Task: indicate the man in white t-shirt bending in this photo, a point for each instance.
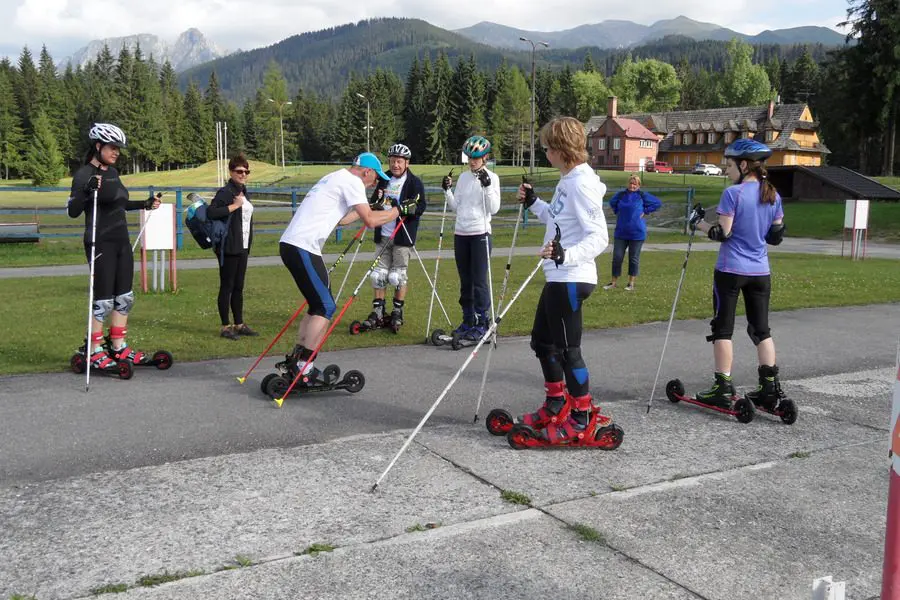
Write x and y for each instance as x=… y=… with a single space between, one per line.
x=322 y=209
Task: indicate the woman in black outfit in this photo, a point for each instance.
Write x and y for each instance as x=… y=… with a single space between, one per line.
x=231 y=203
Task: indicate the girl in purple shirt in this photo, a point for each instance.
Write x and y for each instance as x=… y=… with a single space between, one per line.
x=750 y=217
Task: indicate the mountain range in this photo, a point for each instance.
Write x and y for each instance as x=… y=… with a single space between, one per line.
x=190 y=48
x=625 y=34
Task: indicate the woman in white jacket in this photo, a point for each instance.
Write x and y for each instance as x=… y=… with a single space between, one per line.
x=476 y=198
x=576 y=234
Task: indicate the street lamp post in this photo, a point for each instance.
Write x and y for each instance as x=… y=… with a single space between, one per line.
x=281 y=106
x=368 y=128
x=533 y=48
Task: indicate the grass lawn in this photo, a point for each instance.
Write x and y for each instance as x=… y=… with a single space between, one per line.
x=186 y=323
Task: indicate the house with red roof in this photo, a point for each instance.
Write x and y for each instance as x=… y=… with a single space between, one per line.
x=616 y=142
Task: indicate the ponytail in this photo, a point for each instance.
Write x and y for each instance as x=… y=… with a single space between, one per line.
x=767 y=191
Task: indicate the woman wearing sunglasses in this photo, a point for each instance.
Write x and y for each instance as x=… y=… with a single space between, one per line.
x=231 y=203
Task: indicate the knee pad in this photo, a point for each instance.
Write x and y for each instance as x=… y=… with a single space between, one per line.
x=542 y=350
x=757 y=336
x=379 y=277
x=397 y=277
x=102 y=308
x=124 y=302
x=573 y=361
x=718 y=332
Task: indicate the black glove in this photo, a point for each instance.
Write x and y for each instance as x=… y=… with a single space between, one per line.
x=697 y=215
x=376 y=202
x=484 y=178
x=408 y=208
x=530 y=197
x=446 y=182
x=557 y=252
x=148 y=203
x=92 y=184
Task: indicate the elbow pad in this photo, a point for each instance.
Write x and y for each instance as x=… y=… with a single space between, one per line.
x=775 y=234
x=717 y=235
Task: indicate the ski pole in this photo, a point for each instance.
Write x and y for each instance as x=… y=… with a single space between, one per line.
x=424 y=270
x=472 y=355
x=299 y=310
x=337 y=319
x=352 y=261
x=141 y=232
x=487 y=362
x=693 y=215
x=87 y=340
x=437 y=262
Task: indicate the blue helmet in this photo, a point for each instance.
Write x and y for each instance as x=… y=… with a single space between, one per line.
x=476 y=146
x=747 y=149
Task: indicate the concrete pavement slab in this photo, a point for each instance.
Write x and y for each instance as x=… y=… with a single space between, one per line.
x=63 y=538
x=526 y=555
x=756 y=532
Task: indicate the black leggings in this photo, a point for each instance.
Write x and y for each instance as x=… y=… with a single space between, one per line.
x=472 y=266
x=556 y=334
x=756 y=290
x=113 y=269
x=232 y=271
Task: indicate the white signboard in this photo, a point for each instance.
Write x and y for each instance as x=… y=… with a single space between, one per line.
x=856 y=214
x=160 y=227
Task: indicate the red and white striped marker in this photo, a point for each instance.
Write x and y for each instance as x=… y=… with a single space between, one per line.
x=890 y=579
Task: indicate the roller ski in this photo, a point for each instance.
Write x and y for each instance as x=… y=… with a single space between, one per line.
x=376 y=320
x=578 y=423
x=100 y=362
x=274 y=385
x=161 y=359
x=721 y=397
x=768 y=396
x=555 y=410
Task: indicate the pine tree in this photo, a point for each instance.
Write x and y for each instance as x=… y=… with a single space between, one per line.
x=197 y=144
x=441 y=112
x=173 y=138
x=467 y=99
x=28 y=90
x=250 y=128
x=12 y=138
x=149 y=124
x=44 y=162
x=589 y=66
x=566 y=101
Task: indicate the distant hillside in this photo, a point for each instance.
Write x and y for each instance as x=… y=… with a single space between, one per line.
x=322 y=61
x=624 y=34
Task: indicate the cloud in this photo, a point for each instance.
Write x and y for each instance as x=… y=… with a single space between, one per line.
x=65 y=24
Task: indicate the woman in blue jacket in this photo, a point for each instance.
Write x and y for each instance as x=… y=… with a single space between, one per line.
x=630 y=206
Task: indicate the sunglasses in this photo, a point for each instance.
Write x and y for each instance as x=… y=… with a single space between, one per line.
x=242 y=171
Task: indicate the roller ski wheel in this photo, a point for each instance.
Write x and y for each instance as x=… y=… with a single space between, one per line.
x=456 y=341
x=77 y=363
x=739 y=408
x=499 y=422
x=162 y=360
x=353 y=382
x=355 y=328
x=786 y=411
x=264 y=384
x=331 y=374
x=395 y=328
x=276 y=386
x=439 y=337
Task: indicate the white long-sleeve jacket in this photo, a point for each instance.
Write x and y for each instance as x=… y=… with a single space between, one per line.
x=469 y=204
x=577 y=207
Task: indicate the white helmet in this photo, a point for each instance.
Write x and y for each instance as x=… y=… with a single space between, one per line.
x=107 y=133
x=400 y=150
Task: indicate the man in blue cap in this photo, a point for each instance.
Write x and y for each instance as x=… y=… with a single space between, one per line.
x=333 y=197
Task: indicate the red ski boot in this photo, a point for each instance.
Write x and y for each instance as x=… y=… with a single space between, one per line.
x=555 y=410
x=585 y=427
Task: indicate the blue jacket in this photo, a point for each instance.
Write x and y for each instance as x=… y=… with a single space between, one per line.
x=628 y=208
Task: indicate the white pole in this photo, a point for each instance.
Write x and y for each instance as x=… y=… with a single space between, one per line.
x=281 y=126
x=87 y=341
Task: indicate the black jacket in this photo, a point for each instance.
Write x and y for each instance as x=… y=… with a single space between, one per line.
x=412 y=189
x=218 y=209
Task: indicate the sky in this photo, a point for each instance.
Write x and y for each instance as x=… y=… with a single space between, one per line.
x=66 y=25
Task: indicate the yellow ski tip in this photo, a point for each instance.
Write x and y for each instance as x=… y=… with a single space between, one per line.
x=278 y=401
x=241 y=380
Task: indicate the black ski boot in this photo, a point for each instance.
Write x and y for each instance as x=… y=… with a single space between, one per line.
x=397 y=316
x=768 y=394
x=721 y=393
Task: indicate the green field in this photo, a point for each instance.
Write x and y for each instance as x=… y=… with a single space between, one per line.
x=186 y=322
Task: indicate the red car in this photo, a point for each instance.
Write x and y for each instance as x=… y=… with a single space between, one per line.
x=659 y=166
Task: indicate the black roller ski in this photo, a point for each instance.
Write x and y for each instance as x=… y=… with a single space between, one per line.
x=161 y=359
x=739 y=408
x=370 y=324
x=275 y=385
x=79 y=362
x=769 y=398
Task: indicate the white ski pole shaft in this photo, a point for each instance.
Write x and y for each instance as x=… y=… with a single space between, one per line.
x=141 y=232
x=671 y=318
x=88 y=350
x=427 y=276
x=437 y=262
x=349 y=267
x=487 y=362
x=472 y=355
